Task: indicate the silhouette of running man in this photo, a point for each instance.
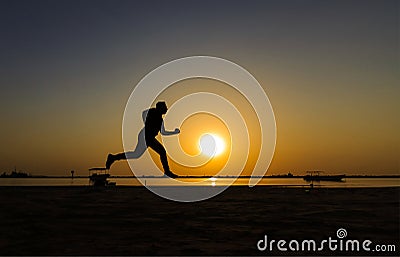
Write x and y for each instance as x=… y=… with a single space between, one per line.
x=154 y=124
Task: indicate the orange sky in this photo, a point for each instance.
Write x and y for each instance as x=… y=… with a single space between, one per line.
x=330 y=70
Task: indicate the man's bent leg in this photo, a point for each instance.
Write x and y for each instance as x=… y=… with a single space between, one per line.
x=159 y=148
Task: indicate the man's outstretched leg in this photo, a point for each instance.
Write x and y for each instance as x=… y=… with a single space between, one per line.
x=139 y=151
x=111 y=158
x=159 y=148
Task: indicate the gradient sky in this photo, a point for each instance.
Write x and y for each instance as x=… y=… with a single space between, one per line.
x=329 y=68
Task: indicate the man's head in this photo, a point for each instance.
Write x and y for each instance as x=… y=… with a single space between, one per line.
x=161 y=107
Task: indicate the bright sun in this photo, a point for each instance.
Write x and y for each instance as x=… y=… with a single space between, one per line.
x=211 y=145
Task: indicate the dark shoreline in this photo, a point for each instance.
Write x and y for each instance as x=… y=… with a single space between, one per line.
x=130 y=220
x=273 y=176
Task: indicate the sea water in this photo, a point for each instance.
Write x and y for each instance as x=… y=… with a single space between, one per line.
x=280 y=182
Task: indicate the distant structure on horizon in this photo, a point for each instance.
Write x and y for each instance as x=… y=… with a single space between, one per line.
x=15 y=174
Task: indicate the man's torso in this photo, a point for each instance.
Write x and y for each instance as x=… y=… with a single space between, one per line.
x=153 y=123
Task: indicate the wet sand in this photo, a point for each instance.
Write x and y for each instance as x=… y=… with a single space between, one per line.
x=134 y=221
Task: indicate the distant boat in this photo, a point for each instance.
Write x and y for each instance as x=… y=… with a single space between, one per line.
x=100 y=178
x=315 y=176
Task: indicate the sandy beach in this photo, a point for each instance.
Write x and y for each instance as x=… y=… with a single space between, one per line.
x=134 y=221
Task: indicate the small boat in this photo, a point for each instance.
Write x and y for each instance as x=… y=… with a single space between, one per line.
x=315 y=176
x=98 y=177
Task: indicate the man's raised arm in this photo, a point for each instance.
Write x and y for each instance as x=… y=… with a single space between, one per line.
x=169 y=133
